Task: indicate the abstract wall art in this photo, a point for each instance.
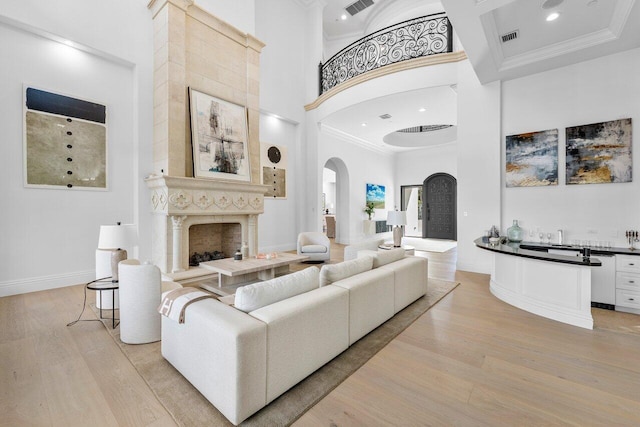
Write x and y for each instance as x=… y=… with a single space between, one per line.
x=599 y=152
x=532 y=159
x=274 y=169
x=376 y=194
x=65 y=142
x=219 y=138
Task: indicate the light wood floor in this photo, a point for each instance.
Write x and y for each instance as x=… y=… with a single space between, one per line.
x=471 y=360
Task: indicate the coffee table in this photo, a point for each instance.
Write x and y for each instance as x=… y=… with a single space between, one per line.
x=238 y=273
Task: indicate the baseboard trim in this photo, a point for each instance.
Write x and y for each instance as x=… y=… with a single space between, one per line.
x=473 y=268
x=42 y=283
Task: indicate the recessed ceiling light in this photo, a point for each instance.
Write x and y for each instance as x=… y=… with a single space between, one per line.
x=422 y=110
x=364 y=124
x=343 y=17
x=552 y=16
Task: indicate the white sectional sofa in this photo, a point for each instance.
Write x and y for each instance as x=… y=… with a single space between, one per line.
x=241 y=358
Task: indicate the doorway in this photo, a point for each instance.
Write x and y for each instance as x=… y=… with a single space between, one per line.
x=336 y=198
x=439 y=219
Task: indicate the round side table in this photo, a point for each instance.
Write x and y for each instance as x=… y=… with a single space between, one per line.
x=106 y=285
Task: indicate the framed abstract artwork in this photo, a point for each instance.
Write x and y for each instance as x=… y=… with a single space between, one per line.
x=599 y=152
x=274 y=169
x=532 y=159
x=219 y=138
x=65 y=142
x=376 y=194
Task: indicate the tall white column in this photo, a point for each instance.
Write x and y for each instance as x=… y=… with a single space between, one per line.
x=177 y=243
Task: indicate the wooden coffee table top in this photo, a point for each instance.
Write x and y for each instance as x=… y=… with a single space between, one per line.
x=231 y=267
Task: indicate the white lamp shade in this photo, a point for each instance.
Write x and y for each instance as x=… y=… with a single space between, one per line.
x=396 y=218
x=116 y=236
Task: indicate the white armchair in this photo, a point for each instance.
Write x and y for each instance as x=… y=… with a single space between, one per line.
x=141 y=288
x=315 y=245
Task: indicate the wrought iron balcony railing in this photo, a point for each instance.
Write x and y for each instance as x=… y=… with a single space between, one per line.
x=428 y=35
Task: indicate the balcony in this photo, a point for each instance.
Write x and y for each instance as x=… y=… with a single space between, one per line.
x=415 y=38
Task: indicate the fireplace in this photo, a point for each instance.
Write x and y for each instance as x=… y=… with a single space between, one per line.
x=208 y=242
x=216 y=215
x=194 y=49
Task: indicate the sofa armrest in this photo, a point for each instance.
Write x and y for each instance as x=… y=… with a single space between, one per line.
x=222 y=352
x=410 y=279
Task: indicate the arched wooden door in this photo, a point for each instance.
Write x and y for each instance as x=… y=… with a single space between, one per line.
x=439 y=208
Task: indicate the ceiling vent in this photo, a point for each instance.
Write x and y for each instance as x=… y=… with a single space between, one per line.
x=550 y=4
x=425 y=128
x=385 y=116
x=358 y=6
x=510 y=36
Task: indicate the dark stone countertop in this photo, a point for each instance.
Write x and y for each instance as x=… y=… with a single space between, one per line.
x=525 y=250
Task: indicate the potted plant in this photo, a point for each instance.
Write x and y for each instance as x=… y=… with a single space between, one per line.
x=369 y=209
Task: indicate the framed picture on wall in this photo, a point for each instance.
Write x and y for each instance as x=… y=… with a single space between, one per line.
x=532 y=159
x=376 y=195
x=65 y=141
x=219 y=138
x=274 y=169
x=599 y=153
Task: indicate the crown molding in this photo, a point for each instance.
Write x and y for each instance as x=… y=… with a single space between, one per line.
x=331 y=131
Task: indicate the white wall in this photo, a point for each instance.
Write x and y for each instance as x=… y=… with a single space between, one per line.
x=239 y=13
x=277 y=227
x=599 y=90
x=413 y=167
x=50 y=235
x=364 y=167
x=478 y=166
x=282 y=76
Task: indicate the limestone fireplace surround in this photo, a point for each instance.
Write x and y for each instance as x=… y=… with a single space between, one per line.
x=194 y=49
x=179 y=203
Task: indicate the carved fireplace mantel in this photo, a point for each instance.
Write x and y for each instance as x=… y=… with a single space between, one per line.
x=178 y=203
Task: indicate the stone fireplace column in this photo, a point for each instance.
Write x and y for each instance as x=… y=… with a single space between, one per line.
x=253 y=235
x=177 y=242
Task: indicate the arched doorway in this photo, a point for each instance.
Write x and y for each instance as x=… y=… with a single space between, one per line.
x=439 y=214
x=338 y=203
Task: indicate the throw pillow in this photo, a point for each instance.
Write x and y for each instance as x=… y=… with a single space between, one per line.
x=384 y=256
x=252 y=297
x=334 y=272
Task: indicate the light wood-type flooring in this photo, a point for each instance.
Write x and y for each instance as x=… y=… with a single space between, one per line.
x=470 y=360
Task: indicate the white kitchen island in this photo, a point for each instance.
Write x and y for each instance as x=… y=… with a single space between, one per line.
x=557 y=287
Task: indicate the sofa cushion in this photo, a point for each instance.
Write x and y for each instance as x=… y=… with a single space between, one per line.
x=334 y=272
x=252 y=297
x=383 y=256
x=315 y=249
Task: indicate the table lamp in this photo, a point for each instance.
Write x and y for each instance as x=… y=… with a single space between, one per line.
x=111 y=243
x=397 y=219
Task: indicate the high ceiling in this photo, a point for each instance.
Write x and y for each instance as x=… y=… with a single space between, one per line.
x=584 y=29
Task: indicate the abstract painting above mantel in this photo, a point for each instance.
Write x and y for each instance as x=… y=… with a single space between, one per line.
x=599 y=152
x=532 y=159
x=219 y=138
x=65 y=142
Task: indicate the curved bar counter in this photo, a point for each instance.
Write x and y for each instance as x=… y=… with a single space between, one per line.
x=557 y=287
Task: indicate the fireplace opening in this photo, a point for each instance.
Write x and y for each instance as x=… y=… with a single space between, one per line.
x=208 y=242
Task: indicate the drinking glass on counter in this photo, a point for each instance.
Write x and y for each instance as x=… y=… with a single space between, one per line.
x=548 y=238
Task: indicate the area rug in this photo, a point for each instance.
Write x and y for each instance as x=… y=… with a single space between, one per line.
x=189 y=408
x=430 y=245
